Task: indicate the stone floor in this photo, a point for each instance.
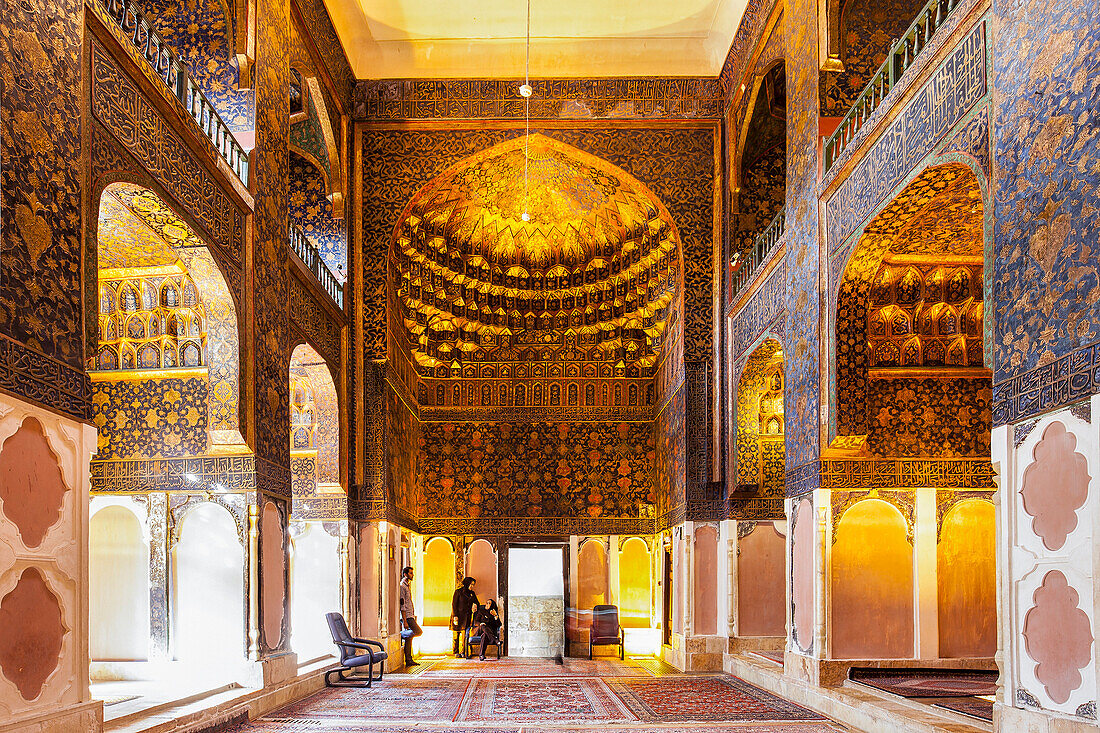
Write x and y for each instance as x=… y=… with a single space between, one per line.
x=532 y=696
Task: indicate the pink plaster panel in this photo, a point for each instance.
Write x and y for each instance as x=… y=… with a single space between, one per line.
x=1058 y=636
x=706 y=580
x=761 y=591
x=31 y=631
x=273 y=559
x=481 y=563
x=802 y=568
x=32 y=489
x=1056 y=485
x=368 y=581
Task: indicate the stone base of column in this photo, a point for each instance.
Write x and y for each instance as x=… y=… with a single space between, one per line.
x=270 y=671
x=86 y=717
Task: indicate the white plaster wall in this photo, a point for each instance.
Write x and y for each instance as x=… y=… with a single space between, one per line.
x=118 y=576
x=314 y=590
x=207 y=590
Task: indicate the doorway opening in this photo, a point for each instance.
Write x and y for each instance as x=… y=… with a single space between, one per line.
x=535 y=610
x=666 y=595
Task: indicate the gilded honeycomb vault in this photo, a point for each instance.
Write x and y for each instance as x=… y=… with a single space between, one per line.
x=573 y=307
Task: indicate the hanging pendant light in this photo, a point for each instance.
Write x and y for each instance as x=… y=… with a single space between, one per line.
x=526 y=91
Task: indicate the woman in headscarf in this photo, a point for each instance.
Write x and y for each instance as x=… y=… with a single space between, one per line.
x=488 y=624
x=462 y=612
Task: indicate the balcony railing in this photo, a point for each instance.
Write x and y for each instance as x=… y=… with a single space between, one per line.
x=311 y=256
x=175 y=76
x=745 y=264
x=900 y=57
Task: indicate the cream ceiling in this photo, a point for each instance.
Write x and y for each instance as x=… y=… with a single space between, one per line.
x=569 y=38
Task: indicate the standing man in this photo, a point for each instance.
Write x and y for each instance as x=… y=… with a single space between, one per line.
x=409 y=628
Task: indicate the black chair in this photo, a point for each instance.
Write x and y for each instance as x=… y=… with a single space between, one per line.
x=473 y=641
x=354 y=652
x=606 y=629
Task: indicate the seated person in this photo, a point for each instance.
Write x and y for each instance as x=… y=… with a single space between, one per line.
x=487 y=620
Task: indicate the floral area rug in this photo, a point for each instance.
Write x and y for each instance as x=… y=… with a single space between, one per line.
x=269 y=726
x=928 y=682
x=513 y=667
x=529 y=700
x=411 y=700
x=714 y=698
x=975 y=707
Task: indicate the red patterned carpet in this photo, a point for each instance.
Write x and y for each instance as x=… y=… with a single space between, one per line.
x=581 y=700
x=975 y=707
x=928 y=682
x=514 y=667
x=554 y=701
x=712 y=698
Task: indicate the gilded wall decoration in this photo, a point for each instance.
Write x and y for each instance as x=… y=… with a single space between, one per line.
x=500 y=469
x=669 y=462
x=914 y=417
x=764 y=310
x=752 y=23
x=137 y=125
x=946 y=499
x=194 y=473
x=397 y=162
x=608 y=98
x=1046 y=142
x=323 y=37
x=867 y=29
x=271 y=168
x=153 y=322
x=200 y=32
x=934 y=110
x=40 y=138
x=704 y=500
x=802 y=360
x=315 y=321
x=150 y=418
x=907 y=473
x=904 y=501
x=1048 y=387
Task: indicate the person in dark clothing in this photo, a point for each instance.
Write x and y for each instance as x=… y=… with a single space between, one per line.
x=462 y=611
x=488 y=625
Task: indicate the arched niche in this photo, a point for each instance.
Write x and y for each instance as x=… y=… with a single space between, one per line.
x=705 y=595
x=761 y=447
x=908 y=260
x=967 y=578
x=635 y=584
x=208 y=589
x=118 y=586
x=591 y=578
x=481 y=564
x=871 y=584
x=761 y=581
x=160 y=286
x=315 y=582
x=313 y=212
x=315 y=417
x=439 y=582
x=761 y=167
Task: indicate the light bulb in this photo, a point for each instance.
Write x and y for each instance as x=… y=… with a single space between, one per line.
x=525 y=90
x=525 y=216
